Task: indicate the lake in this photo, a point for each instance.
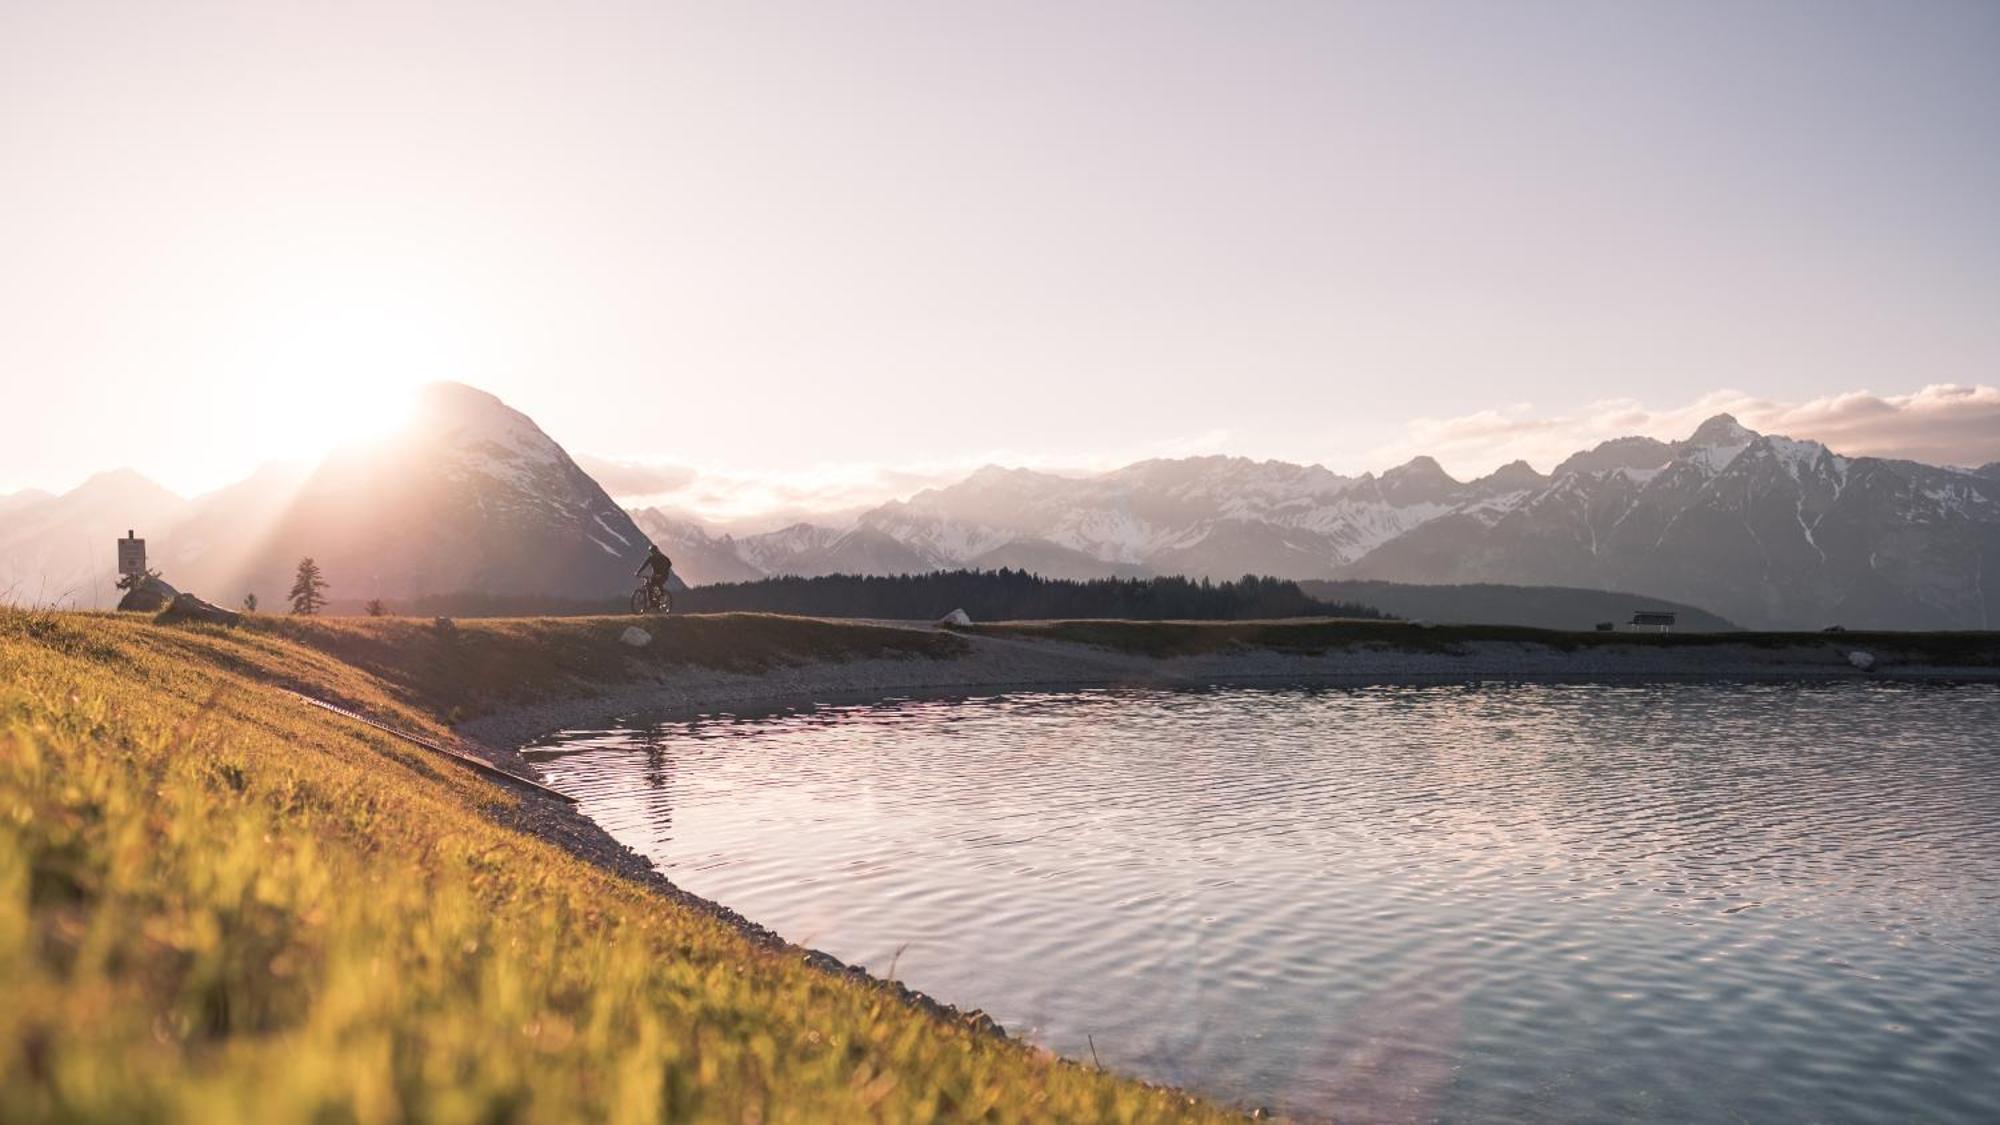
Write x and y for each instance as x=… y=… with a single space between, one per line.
x=1496 y=902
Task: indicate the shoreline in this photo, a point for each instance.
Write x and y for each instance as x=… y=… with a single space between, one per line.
x=1002 y=664
x=996 y=663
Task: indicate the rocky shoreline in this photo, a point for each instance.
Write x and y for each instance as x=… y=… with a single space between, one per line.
x=995 y=663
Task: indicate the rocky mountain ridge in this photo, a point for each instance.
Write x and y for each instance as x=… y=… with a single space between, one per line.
x=474 y=498
x=471 y=497
x=1767 y=530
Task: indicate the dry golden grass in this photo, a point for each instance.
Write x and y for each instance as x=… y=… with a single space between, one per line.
x=219 y=905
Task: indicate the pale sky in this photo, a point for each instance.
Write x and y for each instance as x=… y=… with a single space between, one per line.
x=813 y=242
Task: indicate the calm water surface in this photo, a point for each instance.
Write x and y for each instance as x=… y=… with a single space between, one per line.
x=1527 y=903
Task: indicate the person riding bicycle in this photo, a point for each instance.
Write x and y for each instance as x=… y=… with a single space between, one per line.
x=661 y=567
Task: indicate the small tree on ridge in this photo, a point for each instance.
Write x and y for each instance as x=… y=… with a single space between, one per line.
x=308 y=589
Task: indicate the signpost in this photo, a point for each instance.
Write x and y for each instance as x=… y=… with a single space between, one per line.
x=131 y=555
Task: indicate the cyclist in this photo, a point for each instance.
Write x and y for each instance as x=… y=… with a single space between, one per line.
x=661 y=567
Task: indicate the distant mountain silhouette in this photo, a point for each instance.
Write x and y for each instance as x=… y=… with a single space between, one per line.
x=1764 y=530
x=57 y=550
x=475 y=499
x=471 y=498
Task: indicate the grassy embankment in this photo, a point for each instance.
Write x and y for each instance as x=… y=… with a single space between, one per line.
x=1307 y=636
x=217 y=904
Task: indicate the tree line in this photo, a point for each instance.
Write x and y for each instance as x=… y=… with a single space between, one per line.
x=1016 y=595
x=985 y=595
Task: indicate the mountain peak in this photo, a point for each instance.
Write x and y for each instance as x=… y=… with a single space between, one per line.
x=1511 y=477
x=122 y=484
x=999 y=474
x=1723 y=429
x=448 y=394
x=1420 y=467
x=480 y=426
x=1618 y=453
x=26 y=498
x=1420 y=480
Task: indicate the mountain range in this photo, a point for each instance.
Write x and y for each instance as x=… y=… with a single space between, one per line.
x=470 y=497
x=473 y=497
x=1762 y=529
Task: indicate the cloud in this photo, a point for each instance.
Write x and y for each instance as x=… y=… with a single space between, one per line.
x=632 y=478
x=748 y=501
x=1944 y=424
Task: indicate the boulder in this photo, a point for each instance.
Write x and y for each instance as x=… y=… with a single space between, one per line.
x=635 y=636
x=1862 y=660
x=187 y=607
x=151 y=595
x=956 y=617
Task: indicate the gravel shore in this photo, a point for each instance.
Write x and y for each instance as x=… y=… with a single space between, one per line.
x=995 y=663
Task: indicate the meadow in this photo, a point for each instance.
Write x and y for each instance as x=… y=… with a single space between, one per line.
x=219 y=905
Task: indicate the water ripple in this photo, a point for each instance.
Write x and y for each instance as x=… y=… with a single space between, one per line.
x=1494 y=903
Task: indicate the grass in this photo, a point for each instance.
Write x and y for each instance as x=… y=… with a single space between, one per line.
x=1313 y=636
x=475 y=666
x=218 y=905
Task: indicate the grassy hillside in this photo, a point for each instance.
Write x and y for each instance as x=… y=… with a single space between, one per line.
x=1536 y=607
x=1312 y=636
x=217 y=904
x=474 y=666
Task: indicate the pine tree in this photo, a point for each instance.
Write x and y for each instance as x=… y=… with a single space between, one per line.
x=308 y=589
x=249 y=603
x=134 y=581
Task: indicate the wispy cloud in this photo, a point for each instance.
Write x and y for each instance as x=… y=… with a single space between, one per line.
x=748 y=500
x=1946 y=424
x=634 y=478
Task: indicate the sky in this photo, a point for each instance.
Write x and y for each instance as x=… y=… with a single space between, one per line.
x=812 y=254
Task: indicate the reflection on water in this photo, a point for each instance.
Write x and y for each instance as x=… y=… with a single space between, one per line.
x=1501 y=902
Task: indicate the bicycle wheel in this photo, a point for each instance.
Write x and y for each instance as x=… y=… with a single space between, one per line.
x=640 y=603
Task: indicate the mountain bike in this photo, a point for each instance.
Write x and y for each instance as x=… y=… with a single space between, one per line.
x=652 y=599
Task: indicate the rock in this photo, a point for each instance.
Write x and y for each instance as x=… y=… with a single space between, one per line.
x=1861 y=660
x=150 y=596
x=956 y=617
x=635 y=636
x=187 y=607
x=983 y=1024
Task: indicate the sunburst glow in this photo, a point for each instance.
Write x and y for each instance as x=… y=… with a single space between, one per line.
x=337 y=361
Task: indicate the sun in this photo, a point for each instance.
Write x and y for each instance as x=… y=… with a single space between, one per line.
x=342 y=366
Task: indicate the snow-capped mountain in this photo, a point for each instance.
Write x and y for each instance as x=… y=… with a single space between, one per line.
x=700 y=556
x=471 y=497
x=1763 y=529
x=1766 y=530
